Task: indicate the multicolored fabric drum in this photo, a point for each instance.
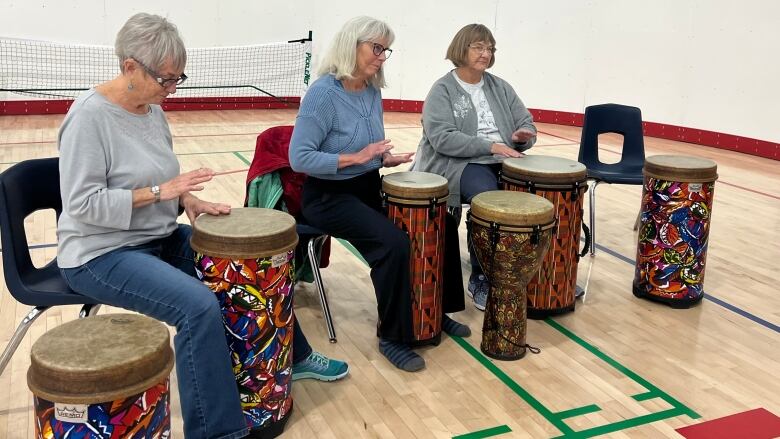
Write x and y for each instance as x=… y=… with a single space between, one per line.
x=511 y=232
x=675 y=224
x=416 y=203
x=102 y=393
x=563 y=182
x=246 y=258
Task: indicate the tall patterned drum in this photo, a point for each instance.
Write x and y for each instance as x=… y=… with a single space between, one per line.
x=511 y=232
x=675 y=224
x=417 y=204
x=246 y=258
x=102 y=377
x=563 y=182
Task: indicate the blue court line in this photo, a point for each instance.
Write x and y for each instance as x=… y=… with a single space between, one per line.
x=707 y=296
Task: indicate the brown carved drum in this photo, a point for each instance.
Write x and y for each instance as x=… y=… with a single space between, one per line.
x=674 y=231
x=246 y=258
x=102 y=377
x=510 y=232
x=563 y=182
x=417 y=204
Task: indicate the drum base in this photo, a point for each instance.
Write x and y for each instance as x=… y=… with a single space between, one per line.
x=674 y=303
x=503 y=357
x=271 y=430
x=541 y=313
x=431 y=341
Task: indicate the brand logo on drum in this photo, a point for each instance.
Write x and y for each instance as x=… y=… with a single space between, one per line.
x=73 y=413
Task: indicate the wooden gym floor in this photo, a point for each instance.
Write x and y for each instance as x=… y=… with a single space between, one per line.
x=618 y=366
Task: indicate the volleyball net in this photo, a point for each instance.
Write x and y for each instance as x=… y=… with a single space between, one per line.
x=273 y=75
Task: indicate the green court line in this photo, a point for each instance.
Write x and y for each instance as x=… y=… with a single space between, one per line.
x=626 y=371
x=622 y=425
x=578 y=411
x=522 y=393
x=352 y=249
x=645 y=396
x=488 y=432
x=243 y=159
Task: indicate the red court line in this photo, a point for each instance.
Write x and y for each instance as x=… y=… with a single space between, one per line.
x=753 y=424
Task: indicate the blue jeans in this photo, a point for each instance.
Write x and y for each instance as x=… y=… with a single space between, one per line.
x=475 y=179
x=158 y=279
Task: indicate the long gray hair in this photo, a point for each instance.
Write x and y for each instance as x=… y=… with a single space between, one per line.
x=152 y=40
x=341 y=60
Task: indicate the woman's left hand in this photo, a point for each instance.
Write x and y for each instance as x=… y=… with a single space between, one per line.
x=194 y=206
x=522 y=135
x=390 y=160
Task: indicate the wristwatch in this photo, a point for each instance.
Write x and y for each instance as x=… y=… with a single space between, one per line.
x=156 y=193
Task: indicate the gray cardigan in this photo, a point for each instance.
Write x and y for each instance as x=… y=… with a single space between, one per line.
x=449 y=120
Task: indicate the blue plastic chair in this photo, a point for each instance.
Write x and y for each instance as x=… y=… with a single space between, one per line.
x=25 y=188
x=611 y=118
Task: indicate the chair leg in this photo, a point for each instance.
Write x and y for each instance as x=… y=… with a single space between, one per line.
x=592 y=209
x=21 y=330
x=89 y=310
x=315 y=250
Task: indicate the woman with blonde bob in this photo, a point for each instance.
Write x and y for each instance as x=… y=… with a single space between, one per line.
x=472 y=121
x=339 y=141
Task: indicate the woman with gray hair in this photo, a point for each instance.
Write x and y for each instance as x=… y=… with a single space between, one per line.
x=339 y=141
x=119 y=241
x=472 y=120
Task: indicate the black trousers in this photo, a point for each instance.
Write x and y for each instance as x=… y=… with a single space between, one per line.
x=352 y=209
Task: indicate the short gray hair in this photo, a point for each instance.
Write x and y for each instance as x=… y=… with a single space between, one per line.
x=341 y=60
x=151 y=40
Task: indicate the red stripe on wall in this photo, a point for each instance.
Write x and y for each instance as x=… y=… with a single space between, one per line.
x=747 y=145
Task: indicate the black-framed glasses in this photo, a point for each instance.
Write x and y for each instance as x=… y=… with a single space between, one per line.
x=481 y=48
x=378 y=49
x=162 y=81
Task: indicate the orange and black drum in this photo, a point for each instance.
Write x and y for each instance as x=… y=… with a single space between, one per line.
x=417 y=203
x=102 y=377
x=674 y=229
x=511 y=232
x=246 y=259
x=563 y=182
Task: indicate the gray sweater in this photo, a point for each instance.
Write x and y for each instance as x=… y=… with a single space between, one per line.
x=449 y=120
x=105 y=153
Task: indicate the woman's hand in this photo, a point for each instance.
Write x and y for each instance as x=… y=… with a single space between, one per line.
x=390 y=160
x=377 y=149
x=194 y=206
x=505 y=151
x=522 y=135
x=183 y=183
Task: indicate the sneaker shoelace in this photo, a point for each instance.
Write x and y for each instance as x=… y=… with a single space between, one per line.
x=318 y=361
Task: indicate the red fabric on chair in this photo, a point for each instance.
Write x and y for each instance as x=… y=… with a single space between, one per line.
x=271 y=155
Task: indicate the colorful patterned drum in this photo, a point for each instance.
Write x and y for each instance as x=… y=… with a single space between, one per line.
x=102 y=377
x=563 y=182
x=511 y=232
x=416 y=203
x=246 y=258
x=675 y=224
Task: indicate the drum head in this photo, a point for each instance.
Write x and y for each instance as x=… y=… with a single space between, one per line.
x=512 y=208
x=681 y=168
x=544 y=169
x=414 y=185
x=99 y=359
x=247 y=233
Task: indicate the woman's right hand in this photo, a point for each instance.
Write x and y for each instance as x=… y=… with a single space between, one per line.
x=183 y=183
x=374 y=150
x=505 y=151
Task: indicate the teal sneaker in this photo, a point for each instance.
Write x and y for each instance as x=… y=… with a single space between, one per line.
x=320 y=367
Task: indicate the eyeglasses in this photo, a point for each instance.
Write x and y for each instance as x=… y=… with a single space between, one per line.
x=164 y=82
x=479 y=48
x=378 y=49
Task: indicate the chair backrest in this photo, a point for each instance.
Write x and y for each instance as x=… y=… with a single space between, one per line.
x=27 y=187
x=612 y=118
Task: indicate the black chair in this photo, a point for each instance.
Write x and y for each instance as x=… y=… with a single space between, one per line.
x=25 y=188
x=611 y=118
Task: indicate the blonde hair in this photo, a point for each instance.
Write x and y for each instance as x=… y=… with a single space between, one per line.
x=341 y=58
x=151 y=40
x=469 y=34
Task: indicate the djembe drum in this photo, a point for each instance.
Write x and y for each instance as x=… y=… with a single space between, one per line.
x=675 y=223
x=102 y=377
x=510 y=232
x=563 y=182
x=417 y=204
x=246 y=258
